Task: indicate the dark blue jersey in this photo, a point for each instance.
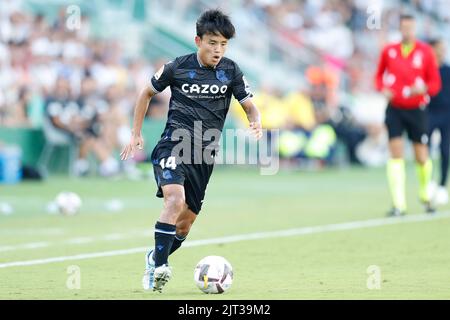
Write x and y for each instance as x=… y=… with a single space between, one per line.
x=199 y=93
x=440 y=104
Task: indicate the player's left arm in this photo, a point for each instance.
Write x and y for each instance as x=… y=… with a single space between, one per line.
x=431 y=84
x=242 y=93
x=253 y=116
x=432 y=77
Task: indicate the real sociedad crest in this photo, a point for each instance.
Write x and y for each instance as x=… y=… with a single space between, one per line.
x=221 y=76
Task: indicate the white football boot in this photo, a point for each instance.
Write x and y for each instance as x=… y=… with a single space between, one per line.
x=162 y=274
x=148 y=281
x=441 y=196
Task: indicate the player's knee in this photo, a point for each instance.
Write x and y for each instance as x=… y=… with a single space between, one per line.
x=422 y=158
x=396 y=148
x=396 y=153
x=175 y=203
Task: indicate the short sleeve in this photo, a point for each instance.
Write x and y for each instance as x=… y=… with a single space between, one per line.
x=240 y=86
x=162 y=78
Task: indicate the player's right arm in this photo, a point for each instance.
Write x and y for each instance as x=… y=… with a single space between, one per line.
x=379 y=85
x=139 y=114
x=160 y=80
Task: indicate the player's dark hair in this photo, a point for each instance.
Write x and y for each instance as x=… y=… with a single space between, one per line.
x=215 y=22
x=406 y=17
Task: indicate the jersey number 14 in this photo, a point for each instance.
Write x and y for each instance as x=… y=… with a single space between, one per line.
x=168 y=163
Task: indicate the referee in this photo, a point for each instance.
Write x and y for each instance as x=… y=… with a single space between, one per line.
x=408 y=75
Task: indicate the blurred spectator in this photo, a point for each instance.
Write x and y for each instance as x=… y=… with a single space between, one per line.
x=303 y=136
x=83 y=83
x=78 y=119
x=328 y=42
x=274 y=115
x=324 y=82
x=301 y=111
x=322 y=91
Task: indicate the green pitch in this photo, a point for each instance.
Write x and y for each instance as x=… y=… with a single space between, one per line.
x=412 y=257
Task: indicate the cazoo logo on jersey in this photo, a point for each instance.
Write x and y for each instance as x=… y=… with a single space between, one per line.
x=204 y=88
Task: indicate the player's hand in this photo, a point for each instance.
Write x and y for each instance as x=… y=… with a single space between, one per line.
x=387 y=93
x=418 y=90
x=256 y=129
x=136 y=142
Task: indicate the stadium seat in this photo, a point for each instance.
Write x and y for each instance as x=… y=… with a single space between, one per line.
x=54 y=139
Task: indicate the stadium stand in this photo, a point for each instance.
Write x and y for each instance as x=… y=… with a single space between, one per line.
x=310 y=63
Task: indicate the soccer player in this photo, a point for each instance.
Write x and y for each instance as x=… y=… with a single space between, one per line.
x=201 y=84
x=439 y=119
x=407 y=75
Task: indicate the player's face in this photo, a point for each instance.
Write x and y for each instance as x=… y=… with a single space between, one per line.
x=211 y=48
x=408 y=30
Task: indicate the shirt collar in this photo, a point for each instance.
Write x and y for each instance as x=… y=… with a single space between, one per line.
x=203 y=66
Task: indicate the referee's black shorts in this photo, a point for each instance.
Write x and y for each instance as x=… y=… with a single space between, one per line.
x=414 y=121
x=170 y=170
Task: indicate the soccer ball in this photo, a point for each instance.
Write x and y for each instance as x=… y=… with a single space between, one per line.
x=68 y=203
x=213 y=274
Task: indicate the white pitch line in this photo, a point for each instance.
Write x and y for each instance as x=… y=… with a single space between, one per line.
x=35 y=245
x=244 y=237
x=33 y=232
x=80 y=240
x=30 y=245
x=112 y=237
x=76 y=241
